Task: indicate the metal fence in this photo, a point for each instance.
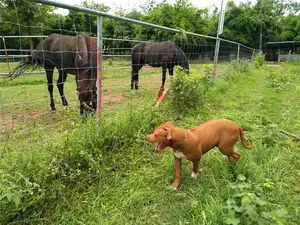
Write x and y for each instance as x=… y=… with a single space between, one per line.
x=113 y=67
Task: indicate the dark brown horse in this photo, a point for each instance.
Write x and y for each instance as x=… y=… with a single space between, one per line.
x=157 y=54
x=69 y=54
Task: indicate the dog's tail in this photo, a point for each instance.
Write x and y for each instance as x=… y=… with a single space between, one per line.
x=243 y=140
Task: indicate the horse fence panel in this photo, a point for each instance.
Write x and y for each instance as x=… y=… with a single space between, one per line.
x=24 y=101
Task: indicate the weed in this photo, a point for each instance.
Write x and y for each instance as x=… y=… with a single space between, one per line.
x=208 y=70
x=188 y=90
x=259 y=60
x=281 y=81
x=249 y=204
x=110 y=61
x=236 y=70
x=18 y=194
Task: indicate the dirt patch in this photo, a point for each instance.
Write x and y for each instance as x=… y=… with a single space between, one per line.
x=112 y=98
x=273 y=65
x=35 y=113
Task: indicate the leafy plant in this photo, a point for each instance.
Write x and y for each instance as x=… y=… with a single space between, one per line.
x=208 y=70
x=248 y=204
x=18 y=193
x=259 y=60
x=188 y=90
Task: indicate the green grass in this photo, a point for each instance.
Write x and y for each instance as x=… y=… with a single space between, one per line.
x=66 y=170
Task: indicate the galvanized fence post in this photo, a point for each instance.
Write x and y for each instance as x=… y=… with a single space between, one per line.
x=238 y=52
x=99 y=68
x=216 y=59
x=219 y=31
x=253 y=54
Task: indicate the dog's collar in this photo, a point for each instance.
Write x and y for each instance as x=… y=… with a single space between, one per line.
x=182 y=146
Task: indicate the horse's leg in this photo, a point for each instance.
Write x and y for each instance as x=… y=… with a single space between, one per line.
x=81 y=104
x=135 y=76
x=171 y=70
x=49 y=73
x=60 y=85
x=164 y=73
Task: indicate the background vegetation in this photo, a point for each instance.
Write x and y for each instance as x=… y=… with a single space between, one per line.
x=81 y=173
x=277 y=20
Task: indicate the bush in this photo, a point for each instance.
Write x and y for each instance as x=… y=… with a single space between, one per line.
x=259 y=60
x=188 y=90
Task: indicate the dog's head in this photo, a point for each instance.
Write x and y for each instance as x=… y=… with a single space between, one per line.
x=163 y=135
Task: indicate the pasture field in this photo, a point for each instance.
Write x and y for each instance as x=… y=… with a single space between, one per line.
x=59 y=168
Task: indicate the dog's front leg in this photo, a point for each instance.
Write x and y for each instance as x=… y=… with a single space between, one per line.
x=195 y=169
x=176 y=182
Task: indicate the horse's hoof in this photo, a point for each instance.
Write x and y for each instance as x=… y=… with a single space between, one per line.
x=53 y=110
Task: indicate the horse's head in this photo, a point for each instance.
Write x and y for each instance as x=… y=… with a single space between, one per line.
x=183 y=62
x=87 y=94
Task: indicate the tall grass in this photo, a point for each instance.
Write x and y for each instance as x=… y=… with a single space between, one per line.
x=108 y=175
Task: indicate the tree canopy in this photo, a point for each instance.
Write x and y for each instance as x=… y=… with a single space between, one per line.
x=275 y=20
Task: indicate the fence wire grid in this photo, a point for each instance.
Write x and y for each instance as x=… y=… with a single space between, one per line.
x=25 y=100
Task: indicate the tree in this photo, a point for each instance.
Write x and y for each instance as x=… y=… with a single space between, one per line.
x=20 y=17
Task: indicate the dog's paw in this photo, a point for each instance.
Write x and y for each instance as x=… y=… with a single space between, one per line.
x=194 y=175
x=174 y=188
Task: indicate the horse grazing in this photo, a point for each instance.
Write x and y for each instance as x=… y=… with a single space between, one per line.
x=157 y=54
x=69 y=54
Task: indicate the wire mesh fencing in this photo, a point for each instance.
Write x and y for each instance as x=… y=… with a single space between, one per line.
x=68 y=68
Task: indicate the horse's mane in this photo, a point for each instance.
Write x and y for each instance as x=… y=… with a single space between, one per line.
x=92 y=62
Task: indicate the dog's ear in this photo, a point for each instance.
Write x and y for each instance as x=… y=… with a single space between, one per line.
x=169 y=132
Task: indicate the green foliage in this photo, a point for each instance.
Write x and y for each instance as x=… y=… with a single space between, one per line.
x=110 y=61
x=259 y=60
x=249 y=204
x=208 y=69
x=241 y=65
x=276 y=19
x=81 y=173
x=236 y=70
x=290 y=28
x=187 y=91
x=84 y=150
x=281 y=81
x=18 y=194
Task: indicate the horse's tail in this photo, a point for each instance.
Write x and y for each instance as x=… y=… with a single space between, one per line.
x=23 y=66
x=243 y=140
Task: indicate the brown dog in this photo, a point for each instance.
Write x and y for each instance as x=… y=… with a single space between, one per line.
x=192 y=144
